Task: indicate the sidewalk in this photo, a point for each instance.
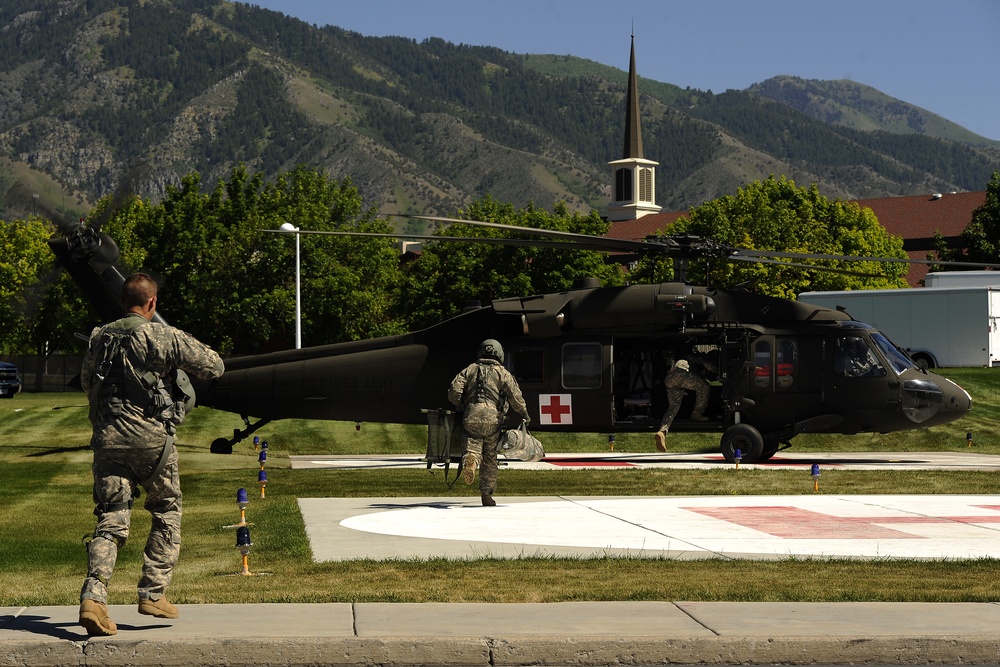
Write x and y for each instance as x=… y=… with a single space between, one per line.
x=568 y=633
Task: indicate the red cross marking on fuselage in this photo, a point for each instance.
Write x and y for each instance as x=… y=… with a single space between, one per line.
x=555 y=409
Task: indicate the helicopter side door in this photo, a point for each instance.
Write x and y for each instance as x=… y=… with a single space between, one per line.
x=566 y=384
x=859 y=387
x=787 y=380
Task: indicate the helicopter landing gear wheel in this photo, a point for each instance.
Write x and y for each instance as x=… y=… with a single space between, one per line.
x=745 y=438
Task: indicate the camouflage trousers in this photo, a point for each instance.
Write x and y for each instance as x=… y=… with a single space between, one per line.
x=678 y=384
x=483 y=452
x=163 y=502
x=481 y=423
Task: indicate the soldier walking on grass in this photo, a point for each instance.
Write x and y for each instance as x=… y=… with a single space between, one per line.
x=482 y=391
x=126 y=374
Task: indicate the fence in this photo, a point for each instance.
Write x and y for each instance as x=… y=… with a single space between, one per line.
x=55 y=372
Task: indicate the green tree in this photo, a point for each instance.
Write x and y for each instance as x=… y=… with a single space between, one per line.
x=231 y=284
x=774 y=214
x=451 y=274
x=981 y=239
x=25 y=263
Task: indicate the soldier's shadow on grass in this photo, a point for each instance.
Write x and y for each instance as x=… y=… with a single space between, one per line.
x=58 y=450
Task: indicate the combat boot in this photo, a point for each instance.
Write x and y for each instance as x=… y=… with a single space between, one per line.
x=94 y=617
x=160 y=608
x=488 y=500
x=699 y=418
x=468 y=469
x=661 y=441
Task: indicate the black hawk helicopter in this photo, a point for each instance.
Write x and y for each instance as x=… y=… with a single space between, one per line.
x=591 y=359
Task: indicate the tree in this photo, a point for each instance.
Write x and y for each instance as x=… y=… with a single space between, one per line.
x=26 y=273
x=981 y=239
x=231 y=284
x=449 y=275
x=774 y=214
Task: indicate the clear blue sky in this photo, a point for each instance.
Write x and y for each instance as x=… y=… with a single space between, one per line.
x=941 y=55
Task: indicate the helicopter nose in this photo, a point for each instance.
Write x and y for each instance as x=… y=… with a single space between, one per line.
x=922 y=399
x=935 y=399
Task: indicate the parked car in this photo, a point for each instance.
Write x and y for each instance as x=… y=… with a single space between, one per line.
x=10 y=380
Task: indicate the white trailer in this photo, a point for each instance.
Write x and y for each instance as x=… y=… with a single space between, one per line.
x=937 y=326
x=962 y=279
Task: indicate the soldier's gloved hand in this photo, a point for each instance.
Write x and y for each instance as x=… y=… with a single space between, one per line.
x=527 y=419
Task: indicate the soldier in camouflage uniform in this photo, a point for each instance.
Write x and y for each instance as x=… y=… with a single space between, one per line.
x=680 y=379
x=482 y=392
x=126 y=375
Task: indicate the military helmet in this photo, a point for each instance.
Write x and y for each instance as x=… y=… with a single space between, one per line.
x=492 y=349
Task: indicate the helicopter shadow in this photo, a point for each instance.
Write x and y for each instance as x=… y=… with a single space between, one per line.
x=439 y=505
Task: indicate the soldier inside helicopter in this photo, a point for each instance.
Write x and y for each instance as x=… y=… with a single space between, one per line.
x=853 y=358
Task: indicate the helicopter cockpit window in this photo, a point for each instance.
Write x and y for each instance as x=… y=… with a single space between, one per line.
x=854 y=358
x=898 y=361
x=582 y=365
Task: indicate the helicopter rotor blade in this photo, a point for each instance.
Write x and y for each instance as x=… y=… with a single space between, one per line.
x=812 y=267
x=677 y=246
x=852 y=258
x=483 y=240
x=606 y=244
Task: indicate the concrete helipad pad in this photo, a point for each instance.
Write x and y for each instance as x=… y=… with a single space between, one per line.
x=819 y=526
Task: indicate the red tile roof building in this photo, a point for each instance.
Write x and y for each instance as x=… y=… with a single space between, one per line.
x=915 y=219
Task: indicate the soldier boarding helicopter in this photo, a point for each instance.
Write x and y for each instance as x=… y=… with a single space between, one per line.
x=591 y=359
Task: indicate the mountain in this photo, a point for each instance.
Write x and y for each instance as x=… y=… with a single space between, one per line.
x=854 y=105
x=99 y=97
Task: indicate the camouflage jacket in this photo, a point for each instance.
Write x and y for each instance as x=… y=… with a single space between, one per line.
x=151 y=352
x=498 y=387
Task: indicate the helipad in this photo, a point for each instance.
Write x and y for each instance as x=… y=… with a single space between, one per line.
x=765 y=527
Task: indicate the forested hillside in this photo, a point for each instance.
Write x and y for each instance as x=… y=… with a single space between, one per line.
x=99 y=96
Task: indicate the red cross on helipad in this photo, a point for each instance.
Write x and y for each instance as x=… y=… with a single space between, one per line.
x=552 y=410
x=798 y=523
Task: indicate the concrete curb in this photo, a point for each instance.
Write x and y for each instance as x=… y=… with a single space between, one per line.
x=505 y=651
x=498 y=635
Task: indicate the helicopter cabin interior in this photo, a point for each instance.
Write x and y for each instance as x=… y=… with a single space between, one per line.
x=618 y=382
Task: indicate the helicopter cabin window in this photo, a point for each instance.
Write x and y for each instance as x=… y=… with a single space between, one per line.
x=528 y=366
x=762 y=364
x=853 y=357
x=787 y=364
x=582 y=365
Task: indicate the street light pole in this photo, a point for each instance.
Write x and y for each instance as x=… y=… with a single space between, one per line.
x=289 y=227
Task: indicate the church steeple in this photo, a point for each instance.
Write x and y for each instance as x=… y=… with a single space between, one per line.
x=633 y=130
x=633 y=176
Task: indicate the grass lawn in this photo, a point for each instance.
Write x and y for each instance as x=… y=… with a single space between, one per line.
x=45 y=511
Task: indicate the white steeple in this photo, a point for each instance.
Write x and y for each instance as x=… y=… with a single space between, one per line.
x=633 y=178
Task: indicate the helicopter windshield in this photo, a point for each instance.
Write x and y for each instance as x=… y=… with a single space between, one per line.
x=898 y=361
x=854 y=358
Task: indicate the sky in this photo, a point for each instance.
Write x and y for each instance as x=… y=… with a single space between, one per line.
x=940 y=55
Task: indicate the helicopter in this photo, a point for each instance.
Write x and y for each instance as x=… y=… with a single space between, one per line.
x=591 y=358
